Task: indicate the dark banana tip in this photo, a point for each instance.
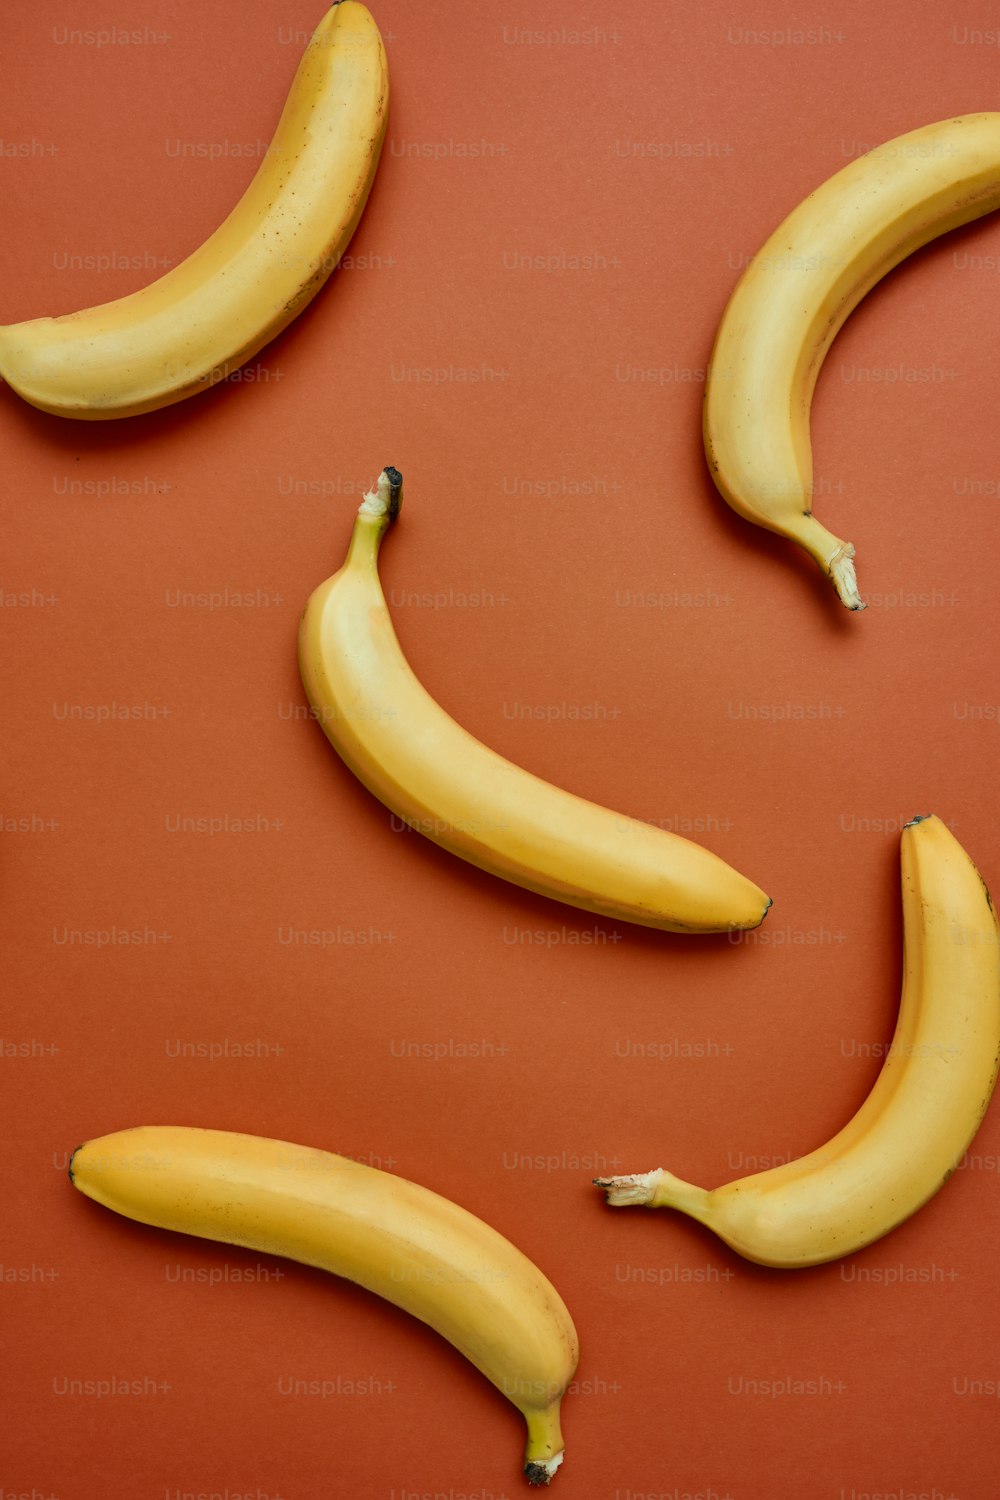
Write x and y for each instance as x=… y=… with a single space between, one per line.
x=395 y=479
x=69 y=1169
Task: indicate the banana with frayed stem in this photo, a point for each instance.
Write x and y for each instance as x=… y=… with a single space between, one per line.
x=924 y=1109
x=795 y=295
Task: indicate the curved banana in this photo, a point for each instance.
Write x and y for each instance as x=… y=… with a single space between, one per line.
x=266 y=261
x=406 y=750
x=403 y=1242
x=923 y=1110
x=798 y=291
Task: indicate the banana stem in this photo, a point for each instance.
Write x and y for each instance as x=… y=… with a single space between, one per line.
x=544 y=1451
x=387 y=496
x=394 y=481
x=674 y=1192
x=834 y=556
x=656 y=1189
x=376 y=513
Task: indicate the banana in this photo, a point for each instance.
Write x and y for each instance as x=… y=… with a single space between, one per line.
x=444 y=783
x=416 y=1249
x=798 y=291
x=208 y=315
x=923 y=1110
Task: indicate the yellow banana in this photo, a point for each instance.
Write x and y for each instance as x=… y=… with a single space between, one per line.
x=403 y=1242
x=797 y=292
x=444 y=783
x=923 y=1110
x=266 y=261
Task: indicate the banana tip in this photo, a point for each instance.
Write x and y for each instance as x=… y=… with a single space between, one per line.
x=387 y=496
x=395 y=482
x=541 y=1470
x=72 y=1158
x=844 y=577
x=634 y=1190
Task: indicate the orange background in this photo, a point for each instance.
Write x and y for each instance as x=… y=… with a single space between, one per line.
x=553 y=465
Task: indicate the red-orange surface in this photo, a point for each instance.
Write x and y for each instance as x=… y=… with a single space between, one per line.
x=566 y=196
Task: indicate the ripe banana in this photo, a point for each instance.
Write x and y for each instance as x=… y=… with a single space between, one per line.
x=923 y=1110
x=798 y=291
x=444 y=783
x=403 y=1242
x=266 y=261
